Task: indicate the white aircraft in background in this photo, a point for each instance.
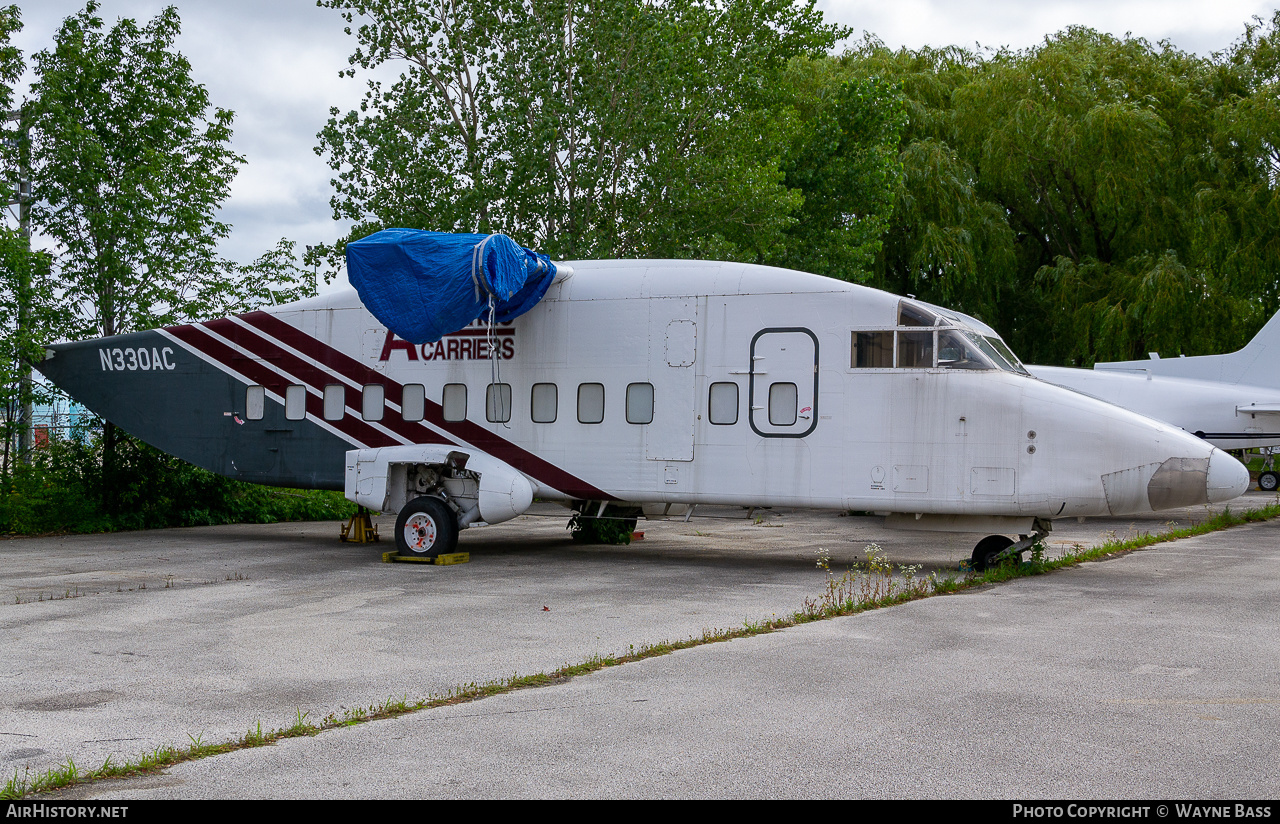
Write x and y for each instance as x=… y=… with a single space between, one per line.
x=654 y=383
x=1232 y=401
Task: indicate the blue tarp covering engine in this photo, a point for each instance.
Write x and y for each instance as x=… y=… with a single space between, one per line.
x=424 y=285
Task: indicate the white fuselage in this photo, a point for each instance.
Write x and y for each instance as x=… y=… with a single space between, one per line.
x=805 y=426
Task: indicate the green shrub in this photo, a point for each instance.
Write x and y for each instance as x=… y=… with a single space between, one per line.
x=613 y=527
x=62 y=490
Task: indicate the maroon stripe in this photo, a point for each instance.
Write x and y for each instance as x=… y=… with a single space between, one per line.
x=411 y=431
x=356 y=430
x=470 y=432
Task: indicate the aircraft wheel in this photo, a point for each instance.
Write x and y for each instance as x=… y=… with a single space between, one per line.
x=1269 y=481
x=984 y=554
x=426 y=528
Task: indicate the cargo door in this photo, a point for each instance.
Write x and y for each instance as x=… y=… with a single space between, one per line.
x=673 y=353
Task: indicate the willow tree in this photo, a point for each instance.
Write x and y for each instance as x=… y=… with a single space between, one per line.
x=1081 y=196
x=945 y=241
x=1237 y=205
x=1094 y=147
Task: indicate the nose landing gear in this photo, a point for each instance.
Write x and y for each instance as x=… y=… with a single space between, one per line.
x=993 y=549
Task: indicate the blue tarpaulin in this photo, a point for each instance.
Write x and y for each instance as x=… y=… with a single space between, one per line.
x=424 y=285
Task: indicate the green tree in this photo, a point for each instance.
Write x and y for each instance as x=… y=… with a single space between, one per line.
x=1092 y=197
x=1237 y=205
x=24 y=282
x=605 y=128
x=27 y=320
x=945 y=242
x=128 y=170
x=1093 y=147
x=844 y=161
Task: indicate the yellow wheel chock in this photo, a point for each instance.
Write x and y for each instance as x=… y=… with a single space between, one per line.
x=446 y=559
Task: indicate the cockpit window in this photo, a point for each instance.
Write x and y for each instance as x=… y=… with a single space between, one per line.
x=915 y=350
x=987 y=346
x=910 y=314
x=1008 y=355
x=872 y=350
x=951 y=344
x=956 y=351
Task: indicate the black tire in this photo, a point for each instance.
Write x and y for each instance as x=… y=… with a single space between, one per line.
x=984 y=554
x=426 y=528
x=1268 y=481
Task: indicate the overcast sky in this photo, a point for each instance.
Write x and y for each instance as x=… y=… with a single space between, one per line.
x=275 y=63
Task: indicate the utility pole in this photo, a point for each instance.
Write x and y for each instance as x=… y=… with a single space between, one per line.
x=21 y=196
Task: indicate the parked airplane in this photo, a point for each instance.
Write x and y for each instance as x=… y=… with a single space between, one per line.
x=1232 y=400
x=647 y=382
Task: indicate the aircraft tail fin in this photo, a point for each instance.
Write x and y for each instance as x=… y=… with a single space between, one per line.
x=1257 y=364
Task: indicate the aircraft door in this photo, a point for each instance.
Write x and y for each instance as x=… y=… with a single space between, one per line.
x=784 y=382
x=673 y=351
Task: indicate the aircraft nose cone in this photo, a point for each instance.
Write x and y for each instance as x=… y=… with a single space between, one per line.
x=1227 y=477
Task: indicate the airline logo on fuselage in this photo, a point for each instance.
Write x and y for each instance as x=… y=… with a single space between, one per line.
x=471 y=343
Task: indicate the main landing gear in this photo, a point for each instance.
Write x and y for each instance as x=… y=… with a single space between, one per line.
x=994 y=549
x=1269 y=479
x=426 y=528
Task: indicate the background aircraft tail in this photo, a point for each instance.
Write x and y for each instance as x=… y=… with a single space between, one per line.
x=1257 y=364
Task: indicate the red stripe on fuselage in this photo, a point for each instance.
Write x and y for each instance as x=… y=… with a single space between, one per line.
x=467 y=431
x=357 y=431
x=250 y=340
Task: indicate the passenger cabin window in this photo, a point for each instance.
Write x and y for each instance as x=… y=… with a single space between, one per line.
x=255 y=402
x=497 y=403
x=454 y=401
x=373 y=401
x=413 y=402
x=543 y=401
x=335 y=401
x=783 y=403
x=640 y=403
x=722 y=404
x=590 y=403
x=295 y=402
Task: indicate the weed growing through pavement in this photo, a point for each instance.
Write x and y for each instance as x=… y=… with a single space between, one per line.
x=865 y=586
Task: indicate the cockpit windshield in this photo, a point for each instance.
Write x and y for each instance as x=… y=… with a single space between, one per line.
x=948 y=340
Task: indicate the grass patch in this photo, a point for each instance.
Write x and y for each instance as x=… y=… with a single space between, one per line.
x=865 y=586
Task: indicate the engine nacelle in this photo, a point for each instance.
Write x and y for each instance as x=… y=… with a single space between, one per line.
x=479 y=486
